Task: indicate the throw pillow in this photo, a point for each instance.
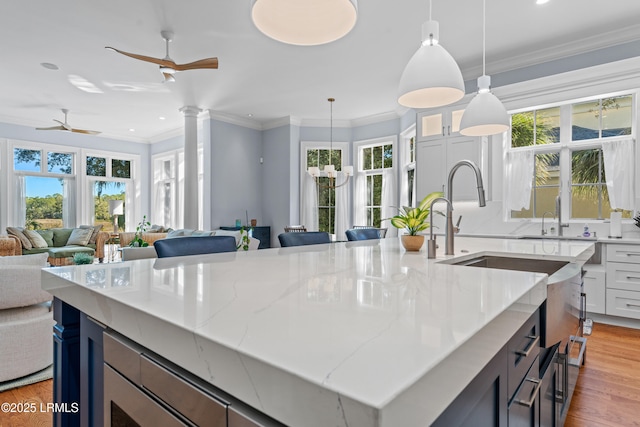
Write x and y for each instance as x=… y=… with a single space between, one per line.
x=47 y=235
x=17 y=231
x=233 y=233
x=80 y=236
x=61 y=236
x=36 y=239
x=95 y=230
x=35 y=259
x=155 y=228
x=201 y=233
x=183 y=232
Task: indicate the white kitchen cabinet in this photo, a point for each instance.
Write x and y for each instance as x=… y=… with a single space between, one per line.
x=623 y=280
x=595 y=288
x=439 y=146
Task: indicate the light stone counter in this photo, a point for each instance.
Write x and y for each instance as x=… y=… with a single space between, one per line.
x=343 y=334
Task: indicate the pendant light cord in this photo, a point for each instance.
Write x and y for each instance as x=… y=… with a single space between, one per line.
x=430 y=2
x=484 y=35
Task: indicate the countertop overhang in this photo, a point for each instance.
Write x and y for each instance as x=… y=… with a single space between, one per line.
x=356 y=333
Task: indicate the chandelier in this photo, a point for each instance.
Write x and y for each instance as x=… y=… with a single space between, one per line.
x=330 y=170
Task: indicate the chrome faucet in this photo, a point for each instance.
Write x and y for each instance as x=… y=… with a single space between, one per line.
x=559 y=215
x=431 y=244
x=481 y=199
x=543 y=231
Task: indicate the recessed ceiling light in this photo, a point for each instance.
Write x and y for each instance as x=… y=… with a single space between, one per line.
x=132 y=130
x=49 y=66
x=249 y=115
x=162 y=118
x=542 y=1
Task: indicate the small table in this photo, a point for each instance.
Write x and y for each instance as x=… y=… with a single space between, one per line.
x=113 y=244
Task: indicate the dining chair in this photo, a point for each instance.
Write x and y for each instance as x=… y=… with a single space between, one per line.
x=295 y=229
x=304 y=238
x=382 y=231
x=362 y=234
x=181 y=246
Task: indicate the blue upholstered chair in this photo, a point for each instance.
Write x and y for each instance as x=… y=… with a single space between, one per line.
x=302 y=239
x=362 y=234
x=181 y=246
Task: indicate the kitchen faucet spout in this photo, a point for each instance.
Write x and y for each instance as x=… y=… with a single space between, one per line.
x=481 y=198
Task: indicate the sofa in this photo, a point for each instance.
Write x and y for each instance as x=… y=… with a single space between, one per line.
x=132 y=253
x=26 y=319
x=61 y=244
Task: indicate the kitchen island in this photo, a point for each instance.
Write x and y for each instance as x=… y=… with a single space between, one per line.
x=342 y=334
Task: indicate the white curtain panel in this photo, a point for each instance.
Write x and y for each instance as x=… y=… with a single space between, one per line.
x=388 y=200
x=404 y=187
x=69 y=203
x=179 y=220
x=360 y=200
x=342 y=208
x=20 y=206
x=309 y=203
x=519 y=179
x=619 y=169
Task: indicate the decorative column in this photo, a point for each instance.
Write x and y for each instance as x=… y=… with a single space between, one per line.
x=190 y=189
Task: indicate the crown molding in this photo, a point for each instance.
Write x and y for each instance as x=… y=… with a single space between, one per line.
x=283 y=121
x=167 y=135
x=376 y=118
x=232 y=119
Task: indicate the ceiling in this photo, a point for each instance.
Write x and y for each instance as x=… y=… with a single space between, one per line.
x=258 y=76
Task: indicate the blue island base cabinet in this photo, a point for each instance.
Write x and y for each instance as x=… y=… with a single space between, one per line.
x=505 y=393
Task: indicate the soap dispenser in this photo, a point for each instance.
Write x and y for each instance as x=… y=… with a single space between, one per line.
x=586 y=232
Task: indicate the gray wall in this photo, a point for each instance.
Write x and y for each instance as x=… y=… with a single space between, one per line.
x=236 y=174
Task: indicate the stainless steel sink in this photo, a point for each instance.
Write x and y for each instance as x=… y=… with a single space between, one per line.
x=512 y=263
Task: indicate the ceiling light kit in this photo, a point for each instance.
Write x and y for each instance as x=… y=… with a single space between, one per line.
x=305 y=23
x=432 y=77
x=167 y=66
x=485 y=115
x=66 y=127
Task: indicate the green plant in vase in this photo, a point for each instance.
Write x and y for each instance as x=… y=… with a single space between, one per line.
x=414 y=220
x=82 y=258
x=142 y=227
x=244 y=239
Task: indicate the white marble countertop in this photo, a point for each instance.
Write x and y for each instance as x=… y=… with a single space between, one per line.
x=357 y=333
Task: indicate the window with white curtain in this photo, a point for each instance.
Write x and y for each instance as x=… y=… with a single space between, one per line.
x=43 y=187
x=166 y=207
x=567 y=142
x=408 y=167
x=375 y=182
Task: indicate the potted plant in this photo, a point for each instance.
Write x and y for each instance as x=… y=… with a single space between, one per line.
x=244 y=239
x=82 y=258
x=142 y=227
x=413 y=221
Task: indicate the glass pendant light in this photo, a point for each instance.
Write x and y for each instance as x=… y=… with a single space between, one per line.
x=432 y=77
x=485 y=115
x=306 y=23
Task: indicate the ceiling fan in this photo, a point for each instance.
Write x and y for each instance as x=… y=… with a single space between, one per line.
x=67 y=127
x=167 y=66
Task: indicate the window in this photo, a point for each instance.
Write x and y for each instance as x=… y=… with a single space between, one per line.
x=567 y=141
x=408 y=165
x=320 y=157
x=112 y=175
x=374 y=160
x=43 y=188
x=165 y=184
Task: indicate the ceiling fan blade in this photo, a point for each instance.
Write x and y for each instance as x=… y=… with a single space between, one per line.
x=162 y=62
x=200 y=64
x=88 y=132
x=52 y=128
x=64 y=125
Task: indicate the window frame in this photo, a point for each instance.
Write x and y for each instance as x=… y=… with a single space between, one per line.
x=565 y=148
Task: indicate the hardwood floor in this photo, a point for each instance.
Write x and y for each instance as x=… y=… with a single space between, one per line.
x=608 y=389
x=607 y=394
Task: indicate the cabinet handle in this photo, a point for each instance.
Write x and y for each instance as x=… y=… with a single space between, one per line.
x=583 y=307
x=633 y=254
x=448 y=130
x=443 y=131
x=534 y=393
x=529 y=349
x=633 y=305
x=633 y=277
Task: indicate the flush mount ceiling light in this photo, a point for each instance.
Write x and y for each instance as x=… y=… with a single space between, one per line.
x=305 y=23
x=485 y=114
x=432 y=77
